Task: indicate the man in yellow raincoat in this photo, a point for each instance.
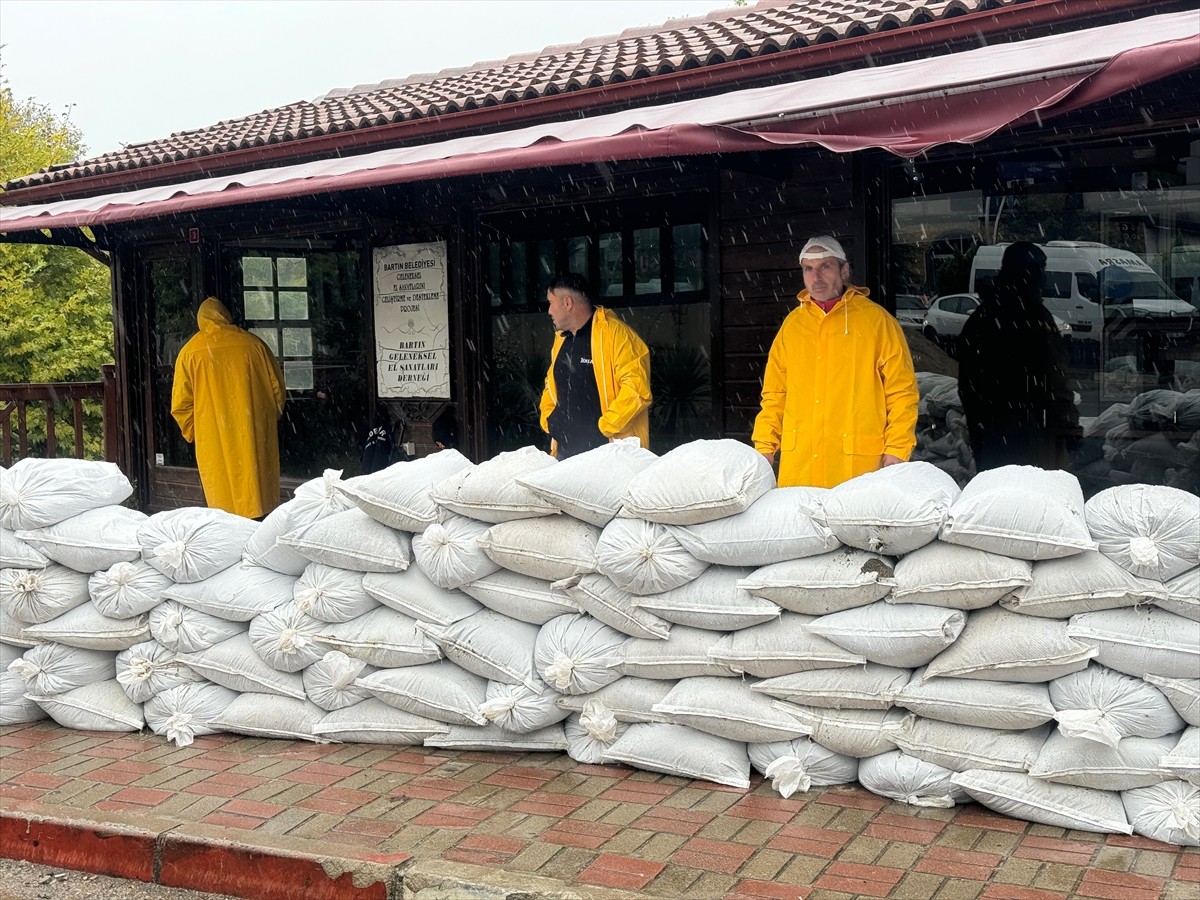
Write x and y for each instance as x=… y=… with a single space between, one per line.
x=227 y=397
x=839 y=394
x=598 y=385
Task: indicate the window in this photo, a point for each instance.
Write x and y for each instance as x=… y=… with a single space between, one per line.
x=170 y=284
x=275 y=302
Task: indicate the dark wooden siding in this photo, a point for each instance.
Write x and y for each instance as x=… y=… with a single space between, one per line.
x=767 y=212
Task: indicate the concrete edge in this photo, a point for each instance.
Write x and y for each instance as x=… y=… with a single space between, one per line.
x=202 y=857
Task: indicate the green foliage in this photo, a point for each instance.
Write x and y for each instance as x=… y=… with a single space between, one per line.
x=55 y=302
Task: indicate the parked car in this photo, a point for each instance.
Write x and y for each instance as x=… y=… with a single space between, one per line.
x=946 y=316
x=910 y=310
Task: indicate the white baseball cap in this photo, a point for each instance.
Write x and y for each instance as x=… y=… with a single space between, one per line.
x=821 y=247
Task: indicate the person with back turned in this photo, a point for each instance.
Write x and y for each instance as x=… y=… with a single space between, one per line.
x=1012 y=371
x=839 y=395
x=227 y=398
x=598 y=384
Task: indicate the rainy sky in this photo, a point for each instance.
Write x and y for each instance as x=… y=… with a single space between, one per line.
x=135 y=71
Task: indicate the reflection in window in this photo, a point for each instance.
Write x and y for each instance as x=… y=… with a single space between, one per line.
x=647 y=262
x=689 y=257
x=612 y=278
x=269 y=297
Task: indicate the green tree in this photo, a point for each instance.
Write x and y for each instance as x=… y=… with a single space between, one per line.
x=55 y=302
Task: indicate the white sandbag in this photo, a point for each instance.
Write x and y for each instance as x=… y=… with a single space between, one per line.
x=801 y=764
x=941 y=574
x=234 y=664
x=440 y=690
x=520 y=597
x=905 y=636
x=1183 y=761
x=679 y=750
x=186 y=630
x=780 y=647
x=1020 y=511
x=546 y=548
x=490 y=491
x=182 y=712
x=1134 y=762
x=399 y=496
x=35 y=492
x=490 y=645
x=331 y=594
x=1148 y=529
x=493 y=738
x=1183 y=595
x=194 y=543
x=576 y=654
x=285 y=638
x=57 y=668
x=15 y=707
x=516 y=708
x=893 y=510
x=596 y=595
x=33 y=596
x=1168 y=812
x=905 y=778
x=998 y=645
x=374 y=722
x=591 y=733
x=1104 y=706
x=99 y=706
x=629 y=699
x=1087 y=582
x=85 y=626
x=1003 y=705
x=16 y=554
x=589 y=486
x=412 y=593
x=91 y=541
x=644 y=558
x=1141 y=642
x=127 y=589
x=856 y=687
x=313 y=500
x=963 y=747
x=728 y=708
x=1020 y=796
x=147 y=669
x=269 y=716
x=352 y=540
x=818 y=585
x=1183 y=694
x=448 y=552
x=852 y=732
x=778 y=526
x=329 y=682
x=714 y=601
x=238 y=593
x=699 y=482
x=684 y=654
x=381 y=637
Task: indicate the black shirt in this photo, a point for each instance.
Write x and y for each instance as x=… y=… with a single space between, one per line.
x=574 y=424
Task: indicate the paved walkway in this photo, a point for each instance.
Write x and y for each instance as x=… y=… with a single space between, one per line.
x=265 y=819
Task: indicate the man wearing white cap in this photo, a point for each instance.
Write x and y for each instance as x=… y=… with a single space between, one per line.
x=839 y=393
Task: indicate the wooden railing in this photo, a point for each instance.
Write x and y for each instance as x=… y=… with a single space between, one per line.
x=16 y=399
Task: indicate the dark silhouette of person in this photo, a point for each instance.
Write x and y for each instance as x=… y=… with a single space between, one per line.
x=1012 y=371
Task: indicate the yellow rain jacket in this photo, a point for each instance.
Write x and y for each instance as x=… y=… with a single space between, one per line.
x=227 y=397
x=622 y=367
x=838 y=393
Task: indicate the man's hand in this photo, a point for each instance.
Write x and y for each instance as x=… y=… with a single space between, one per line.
x=888 y=460
x=770 y=456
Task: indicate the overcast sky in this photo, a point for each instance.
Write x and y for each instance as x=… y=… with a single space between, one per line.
x=135 y=71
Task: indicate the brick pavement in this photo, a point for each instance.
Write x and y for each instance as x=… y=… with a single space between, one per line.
x=415 y=816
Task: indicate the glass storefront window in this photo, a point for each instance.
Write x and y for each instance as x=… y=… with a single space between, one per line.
x=1121 y=232
x=647 y=262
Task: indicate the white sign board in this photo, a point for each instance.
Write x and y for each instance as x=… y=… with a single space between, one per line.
x=412 y=333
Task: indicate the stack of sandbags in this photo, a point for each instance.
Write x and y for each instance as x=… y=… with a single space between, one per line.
x=1153 y=439
x=942 y=437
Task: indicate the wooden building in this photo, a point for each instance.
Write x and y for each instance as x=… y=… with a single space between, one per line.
x=679 y=168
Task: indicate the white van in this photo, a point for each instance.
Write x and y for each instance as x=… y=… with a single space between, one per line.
x=1086 y=282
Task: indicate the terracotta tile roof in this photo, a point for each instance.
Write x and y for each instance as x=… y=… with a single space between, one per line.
x=678 y=45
